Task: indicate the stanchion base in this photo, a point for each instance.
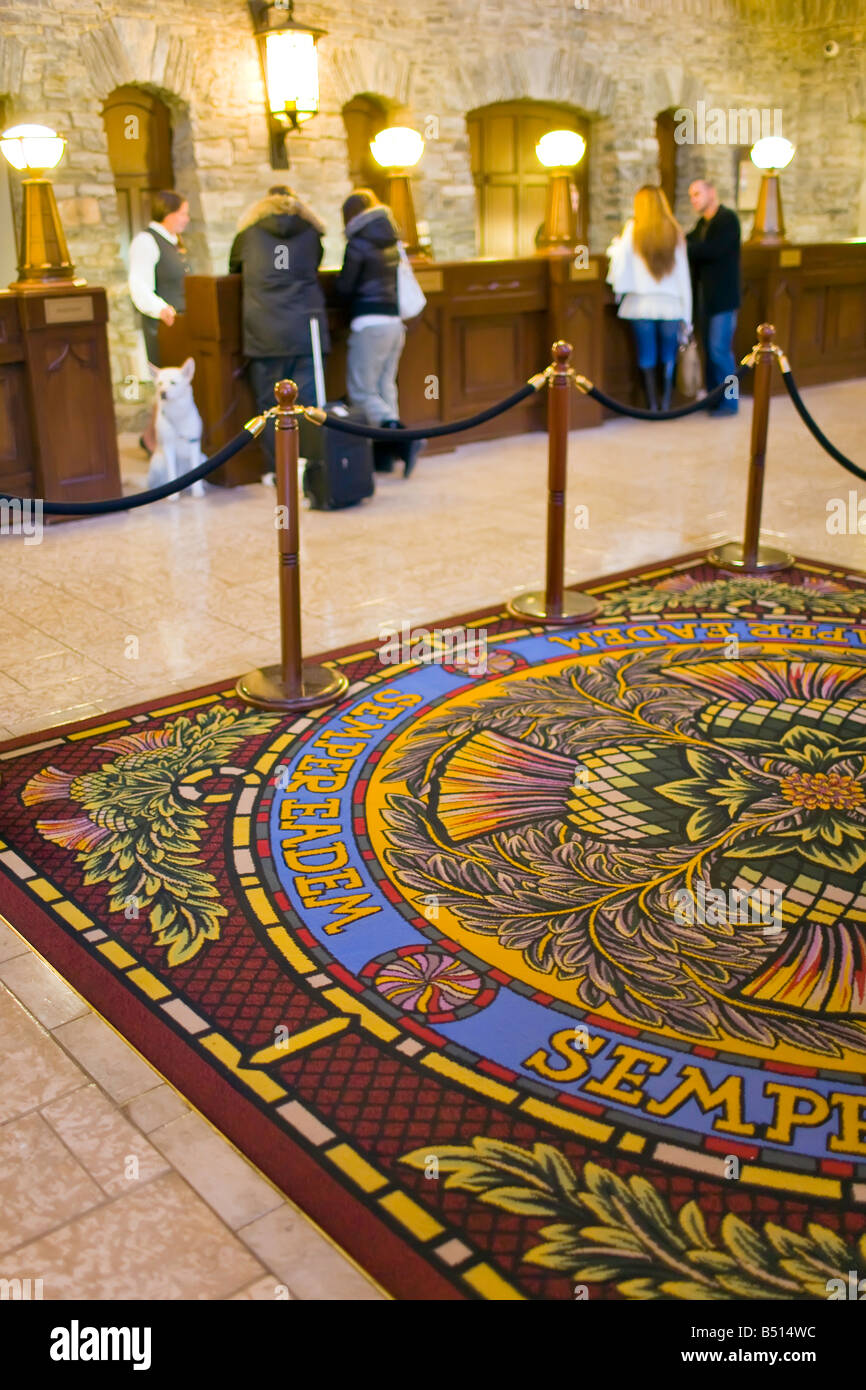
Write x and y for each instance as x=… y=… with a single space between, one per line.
x=576 y=608
x=264 y=688
x=730 y=556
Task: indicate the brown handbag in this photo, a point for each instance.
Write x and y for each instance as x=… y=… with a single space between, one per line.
x=690 y=376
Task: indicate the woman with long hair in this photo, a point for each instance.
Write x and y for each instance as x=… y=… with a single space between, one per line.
x=649 y=269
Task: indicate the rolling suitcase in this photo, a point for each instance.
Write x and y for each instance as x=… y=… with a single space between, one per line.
x=339 y=467
x=339 y=470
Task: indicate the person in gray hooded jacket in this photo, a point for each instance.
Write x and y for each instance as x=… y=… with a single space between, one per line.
x=367 y=284
x=277 y=251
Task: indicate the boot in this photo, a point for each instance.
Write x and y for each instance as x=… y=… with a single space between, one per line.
x=649 y=378
x=667 y=384
x=384 y=453
x=406 y=452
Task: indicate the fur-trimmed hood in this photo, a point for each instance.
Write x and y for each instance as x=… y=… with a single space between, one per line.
x=278 y=207
x=377 y=225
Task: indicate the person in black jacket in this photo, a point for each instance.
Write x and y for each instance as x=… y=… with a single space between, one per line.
x=277 y=251
x=714 y=258
x=367 y=283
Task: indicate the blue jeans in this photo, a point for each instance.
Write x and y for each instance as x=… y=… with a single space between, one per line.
x=719 y=350
x=656 y=341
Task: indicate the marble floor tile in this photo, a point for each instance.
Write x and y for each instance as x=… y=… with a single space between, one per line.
x=114 y=1152
x=34 y=1069
x=155 y=1108
x=265 y=1290
x=303 y=1259
x=11 y=944
x=28 y=1145
x=159 y=1241
x=109 y=1060
x=41 y=990
x=220 y=1175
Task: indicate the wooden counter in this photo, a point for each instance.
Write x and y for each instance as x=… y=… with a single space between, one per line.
x=489 y=325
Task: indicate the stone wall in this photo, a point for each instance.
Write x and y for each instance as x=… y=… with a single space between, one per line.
x=618 y=61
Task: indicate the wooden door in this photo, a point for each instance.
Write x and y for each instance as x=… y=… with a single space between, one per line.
x=138 y=127
x=363 y=118
x=511 y=184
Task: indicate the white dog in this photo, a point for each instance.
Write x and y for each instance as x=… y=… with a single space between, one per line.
x=178 y=427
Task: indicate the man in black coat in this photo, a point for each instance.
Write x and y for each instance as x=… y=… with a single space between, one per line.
x=714 y=258
x=277 y=251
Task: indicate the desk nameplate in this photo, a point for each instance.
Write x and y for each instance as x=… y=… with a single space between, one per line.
x=70 y=309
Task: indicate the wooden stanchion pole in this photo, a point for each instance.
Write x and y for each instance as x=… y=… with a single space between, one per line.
x=557 y=604
x=291 y=685
x=751 y=556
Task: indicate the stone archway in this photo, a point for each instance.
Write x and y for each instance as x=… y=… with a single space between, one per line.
x=540 y=72
x=367 y=67
x=158 y=60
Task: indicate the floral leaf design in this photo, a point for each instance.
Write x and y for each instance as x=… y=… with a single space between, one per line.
x=732 y=593
x=636 y=1240
x=135 y=828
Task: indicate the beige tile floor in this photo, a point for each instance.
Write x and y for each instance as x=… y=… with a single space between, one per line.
x=111 y=1187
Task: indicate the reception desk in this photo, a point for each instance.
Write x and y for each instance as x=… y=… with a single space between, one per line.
x=489 y=325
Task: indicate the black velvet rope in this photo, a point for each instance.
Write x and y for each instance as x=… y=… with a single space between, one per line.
x=140 y=499
x=815 y=430
x=430 y=431
x=710 y=399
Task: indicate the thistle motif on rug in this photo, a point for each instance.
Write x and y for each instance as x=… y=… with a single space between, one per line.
x=137 y=826
x=565 y=814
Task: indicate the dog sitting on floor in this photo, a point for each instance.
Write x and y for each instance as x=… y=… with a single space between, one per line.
x=178 y=428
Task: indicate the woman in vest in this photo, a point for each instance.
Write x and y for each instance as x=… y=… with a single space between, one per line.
x=157 y=266
x=649 y=268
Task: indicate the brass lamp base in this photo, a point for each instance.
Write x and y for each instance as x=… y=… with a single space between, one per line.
x=48 y=282
x=575 y=608
x=265 y=689
x=731 y=556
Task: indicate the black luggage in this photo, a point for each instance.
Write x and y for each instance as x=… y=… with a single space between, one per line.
x=339 y=470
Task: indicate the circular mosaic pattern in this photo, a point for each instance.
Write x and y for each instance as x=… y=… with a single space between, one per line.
x=428 y=983
x=621 y=872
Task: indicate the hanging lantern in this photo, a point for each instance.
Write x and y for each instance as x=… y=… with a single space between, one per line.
x=290 y=66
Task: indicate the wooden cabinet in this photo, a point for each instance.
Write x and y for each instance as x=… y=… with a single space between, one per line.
x=58 y=438
x=815 y=296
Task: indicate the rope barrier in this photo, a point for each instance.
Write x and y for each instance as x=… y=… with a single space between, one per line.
x=320 y=417
x=813 y=428
x=634 y=412
x=250 y=431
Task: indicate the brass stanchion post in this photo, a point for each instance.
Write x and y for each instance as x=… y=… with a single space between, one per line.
x=291 y=685
x=751 y=556
x=556 y=604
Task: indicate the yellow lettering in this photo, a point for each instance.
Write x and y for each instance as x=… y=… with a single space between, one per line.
x=852 y=1124
x=628 y=1056
x=695 y=1085
x=567 y=1044
x=306 y=860
x=787 y=1116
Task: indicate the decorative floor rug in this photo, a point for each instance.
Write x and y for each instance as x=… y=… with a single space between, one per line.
x=536 y=969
